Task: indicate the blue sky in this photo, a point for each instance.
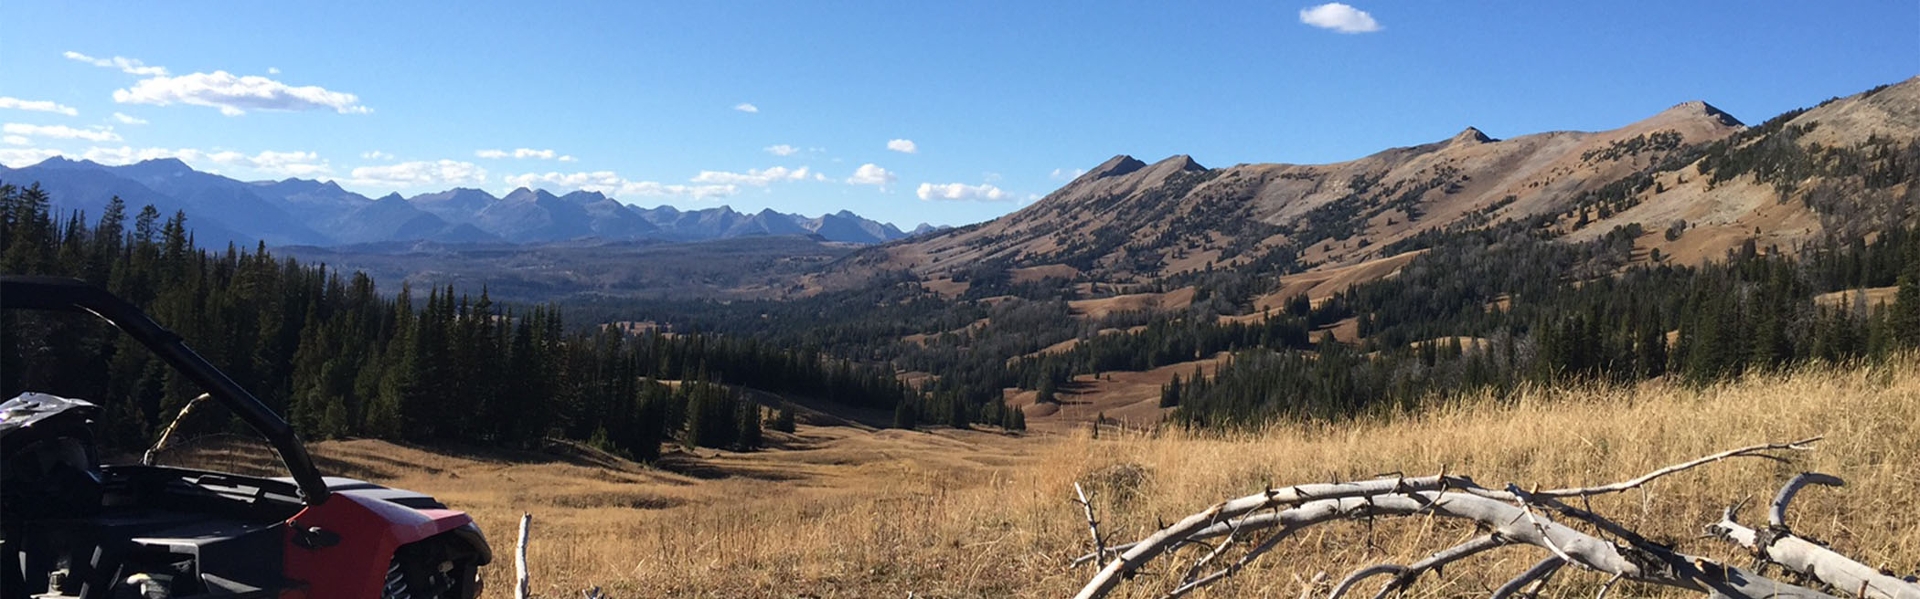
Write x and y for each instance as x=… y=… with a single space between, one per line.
x=908 y=112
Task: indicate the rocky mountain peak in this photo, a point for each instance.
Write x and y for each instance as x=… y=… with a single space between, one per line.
x=1116 y=166
x=1470 y=135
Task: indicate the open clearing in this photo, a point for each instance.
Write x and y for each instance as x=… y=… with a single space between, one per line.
x=842 y=511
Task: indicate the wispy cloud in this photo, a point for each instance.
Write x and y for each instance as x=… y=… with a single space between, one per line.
x=421 y=173
x=127 y=119
x=747 y=108
x=18 y=157
x=291 y=164
x=234 y=95
x=961 y=192
x=16 y=140
x=273 y=70
x=61 y=132
x=376 y=155
x=872 y=174
x=37 y=106
x=126 y=65
x=525 y=153
x=754 y=177
x=782 y=150
x=903 y=146
x=1339 y=17
x=1063 y=174
x=612 y=184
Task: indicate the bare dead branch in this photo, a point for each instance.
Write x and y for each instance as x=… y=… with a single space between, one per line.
x=1201 y=563
x=1608 y=586
x=1093 y=526
x=1777 y=513
x=1540 y=571
x=1748 y=451
x=1510 y=515
x=1167 y=538
x=1507 y=521
x=1346 y=584
x=1228 y=510
x=1252 y=554
x=1779 y=545
x=1439 y=560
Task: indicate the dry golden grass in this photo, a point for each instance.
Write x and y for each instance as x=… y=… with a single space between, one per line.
x=844 y=512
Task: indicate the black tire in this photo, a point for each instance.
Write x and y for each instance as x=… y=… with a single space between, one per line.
x=442 y=567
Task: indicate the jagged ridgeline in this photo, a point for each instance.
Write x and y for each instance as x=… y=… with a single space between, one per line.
x=340 y=360
x=1687 y=244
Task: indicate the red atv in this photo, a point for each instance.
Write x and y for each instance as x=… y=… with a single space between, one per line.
x=71 y=526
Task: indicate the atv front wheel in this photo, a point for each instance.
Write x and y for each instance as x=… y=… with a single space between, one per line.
x=437 y=568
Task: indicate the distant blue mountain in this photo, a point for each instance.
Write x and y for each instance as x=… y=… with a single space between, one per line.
x=307 y=212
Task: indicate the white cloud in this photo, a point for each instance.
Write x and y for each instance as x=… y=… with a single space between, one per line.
x=1061 y=174
x=746 y=107
x=421 y=173
x=234 y=95
x=37 y=106
x=17 y=157
x=903 y=146
x=524 y=153
x=376 y=155
x=611 y=183
x=127 y=119
x=962 y=192
x=1339 y=17
x=754 y=177
x=61 y=132
x=782 y=150
x=273 y=70
x=126 y=65
x=16 y=140
x=289 y=164
x=872 y=174
x=567 y=158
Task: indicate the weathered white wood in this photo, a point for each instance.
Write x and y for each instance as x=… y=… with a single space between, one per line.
x=1510 y=522
x=1539 y=572
x=520 y=558
x=1777 y=513
x=1347 y=584
x=1220 y=514
x=1093 y=526
x=1748 y=451
x=1512 y=515
x=1805 y=557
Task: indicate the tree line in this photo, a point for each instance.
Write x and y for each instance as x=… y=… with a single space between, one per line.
x=338 y=359
x=1440 y=329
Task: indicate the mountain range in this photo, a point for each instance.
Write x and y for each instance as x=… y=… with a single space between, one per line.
x=321 y=213
x=1689 y=184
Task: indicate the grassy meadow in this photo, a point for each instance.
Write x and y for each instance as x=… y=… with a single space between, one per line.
x=838 y=511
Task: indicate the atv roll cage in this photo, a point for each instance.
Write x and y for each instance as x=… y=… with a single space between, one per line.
x=72 y=295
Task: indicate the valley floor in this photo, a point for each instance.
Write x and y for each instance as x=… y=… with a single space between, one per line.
x=843 y=511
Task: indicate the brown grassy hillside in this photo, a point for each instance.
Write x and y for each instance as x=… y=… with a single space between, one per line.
x=1127 y=221
x=839 y=512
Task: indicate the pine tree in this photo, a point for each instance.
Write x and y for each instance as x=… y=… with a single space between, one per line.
x=904 y=416
x=957 y=416
x=1905 y=319
x=749 y=436
x=783 y=420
